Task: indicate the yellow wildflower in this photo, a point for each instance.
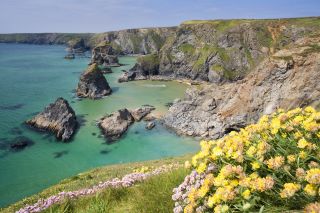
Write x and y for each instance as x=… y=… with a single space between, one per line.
x=291 y=158
x=289 y=190
x=201 y=168
x=275 y=125
x=255 y=165
x=303 y=155
x=313 y=176
x=275 y=163
x=246 y=194
x=310 y=189
x=302 y=143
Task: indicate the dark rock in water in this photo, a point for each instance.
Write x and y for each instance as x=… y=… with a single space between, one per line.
x=93 y=84
x=114 y=125
x=12 y=107
x=169 y=104
x=127 y=76
x=20 y=143
x=60 y=154
x=106 y=70
x=58 y=117
x=69 y=56
x=141 y=112
x=150 y=125
x=93 y=134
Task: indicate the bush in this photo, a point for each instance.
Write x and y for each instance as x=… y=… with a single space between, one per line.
x=274 y=163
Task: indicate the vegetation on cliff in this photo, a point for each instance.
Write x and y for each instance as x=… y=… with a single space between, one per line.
x=272 y=163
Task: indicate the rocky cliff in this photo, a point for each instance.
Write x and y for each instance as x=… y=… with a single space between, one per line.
x=131 y=41
x=286 y=79
x=225 y=50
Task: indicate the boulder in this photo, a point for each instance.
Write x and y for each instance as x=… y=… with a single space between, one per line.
x=58 y=118
x=127 y=76
x=141 y=112
x=150 y=125
x=93 y=84
x=116 y=124
x=20 y=143
x=69 y=56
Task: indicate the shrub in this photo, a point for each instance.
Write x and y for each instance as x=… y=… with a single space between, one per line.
x=272 y=163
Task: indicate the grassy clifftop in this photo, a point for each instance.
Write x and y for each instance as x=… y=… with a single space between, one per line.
x=93 y=177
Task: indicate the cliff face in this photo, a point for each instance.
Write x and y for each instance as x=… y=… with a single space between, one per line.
x=131 y=41
x=135 y=41
x=218 y=51
x=286 y=79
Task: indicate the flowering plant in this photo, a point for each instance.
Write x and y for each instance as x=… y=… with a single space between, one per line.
x=274 y=162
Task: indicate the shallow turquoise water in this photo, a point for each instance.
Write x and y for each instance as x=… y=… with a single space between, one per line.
x=31 y=77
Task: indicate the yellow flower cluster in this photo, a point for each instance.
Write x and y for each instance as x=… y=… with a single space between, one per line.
x=277 y=156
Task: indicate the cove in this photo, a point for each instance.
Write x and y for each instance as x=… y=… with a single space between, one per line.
x=33 y=76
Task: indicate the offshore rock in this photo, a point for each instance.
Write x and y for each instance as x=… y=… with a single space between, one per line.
x=93 y=84
x=116 y=124
x=58 y=118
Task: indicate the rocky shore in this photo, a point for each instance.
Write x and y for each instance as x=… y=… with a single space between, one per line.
x=58 y=118
x=287 y=79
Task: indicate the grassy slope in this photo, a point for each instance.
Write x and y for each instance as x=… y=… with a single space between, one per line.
x=153 y=195
x=93 y=177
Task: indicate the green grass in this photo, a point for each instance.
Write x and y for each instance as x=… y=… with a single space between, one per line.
x=90 y=178
x=187 y=49
x=152 y=195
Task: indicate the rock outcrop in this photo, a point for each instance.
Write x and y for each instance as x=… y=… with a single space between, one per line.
x=77 y=46
x=58 y=118
x=287 y=79
x=93 y=84
x=127 y=76
x=150 y=125
x=103 y=54
x=220 y=51
x=113 y=126
x=141 y=112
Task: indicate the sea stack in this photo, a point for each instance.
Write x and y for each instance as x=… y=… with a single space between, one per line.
x=93 y=84
x=57 y=117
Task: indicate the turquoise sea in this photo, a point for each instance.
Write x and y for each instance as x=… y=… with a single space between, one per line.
x=33 y=76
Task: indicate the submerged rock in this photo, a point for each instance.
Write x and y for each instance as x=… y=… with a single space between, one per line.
x=58 y=118
x=20 y=143
x=150 y=125
x=116 y=124
x=141 y=112
x=93 y=84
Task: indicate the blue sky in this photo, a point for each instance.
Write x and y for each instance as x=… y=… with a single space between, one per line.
x=107 y=15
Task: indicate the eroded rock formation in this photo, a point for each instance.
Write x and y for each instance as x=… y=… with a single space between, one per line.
x=287 y=79
x=58 y=118
x=93 y=84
